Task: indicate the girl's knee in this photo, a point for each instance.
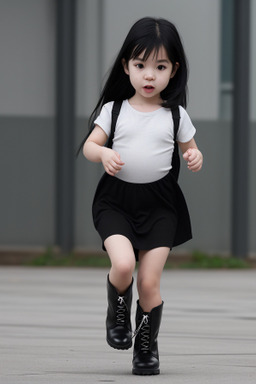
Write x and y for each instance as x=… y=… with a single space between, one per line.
x=124 y=267
x=148 y=286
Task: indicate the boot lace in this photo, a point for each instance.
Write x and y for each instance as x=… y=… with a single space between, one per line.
x=121 y=309
x=144 y=330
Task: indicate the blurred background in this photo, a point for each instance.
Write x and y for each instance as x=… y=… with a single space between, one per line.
x=50 y=80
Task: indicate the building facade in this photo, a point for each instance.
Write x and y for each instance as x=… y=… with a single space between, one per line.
x=28 y=114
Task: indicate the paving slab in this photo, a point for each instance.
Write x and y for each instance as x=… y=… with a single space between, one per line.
x=52 y=328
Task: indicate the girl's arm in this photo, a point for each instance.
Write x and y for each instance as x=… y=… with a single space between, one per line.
x=192 y=155
x=95 y=151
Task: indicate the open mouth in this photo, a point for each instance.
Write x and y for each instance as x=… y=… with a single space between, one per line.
x=149 y=88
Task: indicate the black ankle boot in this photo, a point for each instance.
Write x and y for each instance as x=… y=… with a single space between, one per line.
x=145 y=354
x=118 y=322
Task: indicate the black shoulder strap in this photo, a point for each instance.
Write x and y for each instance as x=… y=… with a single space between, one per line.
x=115 y=112
x=176 y=120
x=175 y=157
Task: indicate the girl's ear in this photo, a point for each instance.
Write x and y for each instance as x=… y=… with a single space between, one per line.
x=126 y=70
x=175 y=69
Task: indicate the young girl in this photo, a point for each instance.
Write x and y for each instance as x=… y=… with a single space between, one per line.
x=138 y=209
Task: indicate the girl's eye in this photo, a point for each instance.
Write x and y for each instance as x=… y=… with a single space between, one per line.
x=140 y=66
x=161 y=67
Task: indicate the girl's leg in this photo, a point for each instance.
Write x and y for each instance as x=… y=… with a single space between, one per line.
x=123 y=261
x=149 y=311
x=151 y=264
x=119 y=287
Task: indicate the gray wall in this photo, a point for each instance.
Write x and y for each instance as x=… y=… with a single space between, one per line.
x=27 y=108
x=27 y=203
x=27 y=65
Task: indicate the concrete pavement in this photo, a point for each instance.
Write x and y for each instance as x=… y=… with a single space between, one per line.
x=52 y=328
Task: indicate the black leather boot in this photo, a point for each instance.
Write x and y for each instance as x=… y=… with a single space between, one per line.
x=145 y=354
x=118 y=322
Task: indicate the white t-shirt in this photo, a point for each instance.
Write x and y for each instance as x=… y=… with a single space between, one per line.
x=144 y=140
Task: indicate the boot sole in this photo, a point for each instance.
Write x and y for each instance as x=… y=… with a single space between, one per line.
x=145 y=372
x=119 y=347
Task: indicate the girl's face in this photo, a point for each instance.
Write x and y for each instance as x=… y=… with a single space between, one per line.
x=150 y=77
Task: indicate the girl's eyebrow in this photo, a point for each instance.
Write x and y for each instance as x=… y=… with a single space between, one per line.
x=158 y=61
x=163 y=61
x=138 y=58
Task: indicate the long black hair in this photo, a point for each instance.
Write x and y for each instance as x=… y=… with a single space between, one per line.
x=146 y=35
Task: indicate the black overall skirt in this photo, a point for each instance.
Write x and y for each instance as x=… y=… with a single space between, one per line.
x=150 y=215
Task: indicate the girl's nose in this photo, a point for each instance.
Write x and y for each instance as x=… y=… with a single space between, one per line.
x=149 y=75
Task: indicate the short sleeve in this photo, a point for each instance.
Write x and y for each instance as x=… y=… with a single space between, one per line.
x=105 y=117
x=186 y=129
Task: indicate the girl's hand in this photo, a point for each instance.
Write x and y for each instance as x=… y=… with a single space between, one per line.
x=194 y=159
x=94 y=150
x=111 y=161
